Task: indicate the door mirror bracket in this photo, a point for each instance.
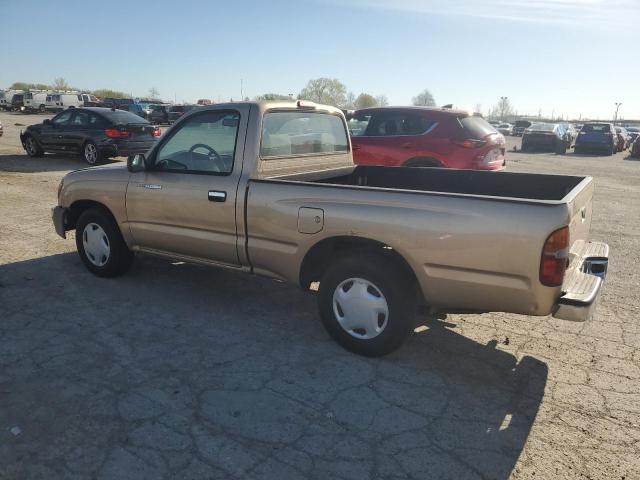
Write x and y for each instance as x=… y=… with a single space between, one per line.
x=136 y=163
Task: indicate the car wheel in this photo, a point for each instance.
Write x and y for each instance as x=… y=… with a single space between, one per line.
x=561 y=147
x=366 y=303
x=90 y=153
x=42 y=109
x=100 y=244
x=32 y=147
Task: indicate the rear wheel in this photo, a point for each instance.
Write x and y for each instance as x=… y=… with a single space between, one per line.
x=91 y=154
x=100 y=244
x=367 y=303
x=561 y=147
x=41 y=109
x=32 y=147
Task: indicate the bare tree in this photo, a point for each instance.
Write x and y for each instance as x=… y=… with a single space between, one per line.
x=503 y=109
x=382 y=100
x=477 y=108
x=350 y=101
x=272 y=96
x=329 y=91
x=424 y=99
x=60 y=84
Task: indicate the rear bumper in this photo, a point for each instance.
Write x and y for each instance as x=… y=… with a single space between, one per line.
x=59 y=217
x=583 y=282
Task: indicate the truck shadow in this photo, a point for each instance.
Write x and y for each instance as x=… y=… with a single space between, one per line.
x=244 y=362
x=47 y=163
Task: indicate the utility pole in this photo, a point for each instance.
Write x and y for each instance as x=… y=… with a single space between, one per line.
x=615 y=117
x=503 y=102
x=241 y=95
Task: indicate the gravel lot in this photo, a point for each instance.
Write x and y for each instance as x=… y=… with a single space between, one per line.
x=176 y=371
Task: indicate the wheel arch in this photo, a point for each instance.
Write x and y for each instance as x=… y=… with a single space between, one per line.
x=78 y=207
x=319 y=256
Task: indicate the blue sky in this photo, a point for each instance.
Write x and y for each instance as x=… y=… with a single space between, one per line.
x=572 y=56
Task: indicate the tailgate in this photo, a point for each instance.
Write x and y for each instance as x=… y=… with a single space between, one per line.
x=580 y=210
x=140 y=131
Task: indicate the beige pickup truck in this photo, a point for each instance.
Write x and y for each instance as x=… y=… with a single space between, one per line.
x=270 y=188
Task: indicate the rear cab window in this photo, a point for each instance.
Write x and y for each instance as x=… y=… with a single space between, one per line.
x=292 y=133
x=124 y=117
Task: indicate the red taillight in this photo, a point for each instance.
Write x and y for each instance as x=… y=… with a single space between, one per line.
x=554 y=259
x=115 y=133
x=156 y=132
x=470 y=143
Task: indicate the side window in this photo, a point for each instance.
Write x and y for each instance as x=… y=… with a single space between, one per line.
x=358 y=124
x=96 y=121
x=63 y=118
x=80 y=119
x=302 y=133
x=398 y=123
x=203 y=144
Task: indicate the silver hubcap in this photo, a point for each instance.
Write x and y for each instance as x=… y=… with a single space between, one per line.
x=31 y=146
x=90 y=153
x=360 y=308
x=96 y=244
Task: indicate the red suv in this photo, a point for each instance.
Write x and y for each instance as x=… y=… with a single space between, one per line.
x=425 y=137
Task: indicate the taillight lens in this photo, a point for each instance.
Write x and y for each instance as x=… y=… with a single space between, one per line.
x=470 y=143
x=156 y=132
x=115 y=133
x=555 y=254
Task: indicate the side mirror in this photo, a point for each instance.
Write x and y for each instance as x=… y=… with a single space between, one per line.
x=47 y=121
x=136 y=163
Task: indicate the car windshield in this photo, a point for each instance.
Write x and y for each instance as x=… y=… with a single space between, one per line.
x=120 y=116
x=542 y=127
x=597 y=128
x=478 y=127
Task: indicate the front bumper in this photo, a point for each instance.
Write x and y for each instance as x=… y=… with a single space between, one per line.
x=59 y=217
x=583 y=281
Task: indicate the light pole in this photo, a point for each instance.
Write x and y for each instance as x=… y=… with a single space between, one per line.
x=503 y=103
x=615 y=117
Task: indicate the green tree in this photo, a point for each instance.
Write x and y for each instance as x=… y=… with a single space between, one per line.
x=365 y=100
x=272 y=96
x=328 y=91
x=105 y=92
x=424 y=99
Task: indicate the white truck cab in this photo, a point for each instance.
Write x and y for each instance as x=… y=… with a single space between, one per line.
x=35 y=101
x=6 y=98
x=56 y=102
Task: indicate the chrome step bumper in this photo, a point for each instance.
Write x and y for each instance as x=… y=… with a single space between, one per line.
x=583 y=281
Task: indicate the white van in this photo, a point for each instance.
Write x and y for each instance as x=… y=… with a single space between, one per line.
x=55 y=102
x=6 y=97
x=35 y=101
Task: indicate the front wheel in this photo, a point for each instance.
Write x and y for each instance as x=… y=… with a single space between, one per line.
x=367 y=303
x=32 y=147
x=100 y=244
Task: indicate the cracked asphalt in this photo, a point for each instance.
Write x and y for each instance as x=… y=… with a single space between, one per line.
x=178 y=371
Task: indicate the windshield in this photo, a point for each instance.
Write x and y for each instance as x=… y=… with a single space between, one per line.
x=597 y=128
x=542 y=127
x=123 y=117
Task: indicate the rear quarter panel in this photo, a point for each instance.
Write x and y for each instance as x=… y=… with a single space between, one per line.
x=467 y=252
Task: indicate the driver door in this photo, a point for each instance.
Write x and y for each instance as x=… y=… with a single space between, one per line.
x=184 y=203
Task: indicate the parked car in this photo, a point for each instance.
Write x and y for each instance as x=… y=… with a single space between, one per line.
x=204 y=101
x=34 y=102
x=624 y=139
x=159 y=114
x=425 y=137
x=56 y=102
x=274 y=191
x=176 y=111
x=633 y=132
x=117 y=103
x=142 y=109
x=597 y=136
x=95 y=133
x=504 y=128
x=635 y=148
x=6 y=98
x=519 y=127
x=547 y=136
x=89 y=100
x=17 y=102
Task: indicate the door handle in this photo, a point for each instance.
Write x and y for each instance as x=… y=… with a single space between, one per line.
x=217 y=196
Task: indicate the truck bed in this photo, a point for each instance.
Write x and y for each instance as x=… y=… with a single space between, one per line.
x=524 y=186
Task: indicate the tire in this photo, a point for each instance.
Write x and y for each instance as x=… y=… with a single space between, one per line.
x=423 y=163
x=377 y=283
x=613 y=151
x=32 y=147
x=91 y=154
x=41 y=109
x=561 y=147
x=100 y=244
